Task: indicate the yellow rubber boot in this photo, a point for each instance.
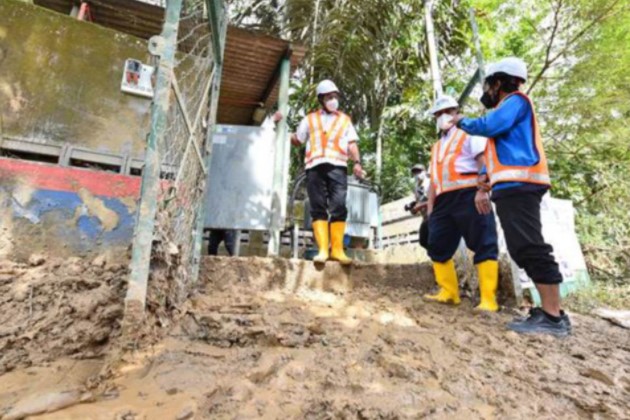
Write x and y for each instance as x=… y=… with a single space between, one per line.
x=446 y=278
x=488 y=273
x=320 y=231
x=337 y=230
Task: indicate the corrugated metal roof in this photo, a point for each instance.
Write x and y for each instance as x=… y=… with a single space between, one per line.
x=251 y=59
x=250 y=66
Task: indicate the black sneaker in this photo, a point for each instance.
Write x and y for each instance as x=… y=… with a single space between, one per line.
x=565 y=318
x=532 y=311
x=538 y=323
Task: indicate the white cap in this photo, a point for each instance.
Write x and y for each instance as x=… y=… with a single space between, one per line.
x=442 y=103
x=326 y=86
x=511 y=65
x=417 y=167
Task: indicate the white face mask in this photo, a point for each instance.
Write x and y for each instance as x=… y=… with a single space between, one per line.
x=444 y=122
x=332 y=105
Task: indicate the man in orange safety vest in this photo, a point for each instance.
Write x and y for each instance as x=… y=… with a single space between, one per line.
x=330 y=139
x=455 y=160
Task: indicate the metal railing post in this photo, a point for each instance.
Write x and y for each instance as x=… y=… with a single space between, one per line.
x=281 y=164
x=218 y=28
x=163 y=46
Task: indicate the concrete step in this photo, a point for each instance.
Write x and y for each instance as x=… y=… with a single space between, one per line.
x=295 y=275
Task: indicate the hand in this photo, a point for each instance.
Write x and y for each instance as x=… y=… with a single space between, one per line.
x=483 y=183
x=418 y=208
x=457 y=118
x=277 y=116
x=482 y=202
x=358 y=171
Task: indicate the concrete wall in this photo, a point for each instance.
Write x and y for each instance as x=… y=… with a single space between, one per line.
x=60 y=84
x=60 y=81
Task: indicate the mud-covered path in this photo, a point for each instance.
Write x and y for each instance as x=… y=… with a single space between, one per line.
x=247 y=348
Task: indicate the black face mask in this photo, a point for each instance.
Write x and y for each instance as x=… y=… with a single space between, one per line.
x=488 y=100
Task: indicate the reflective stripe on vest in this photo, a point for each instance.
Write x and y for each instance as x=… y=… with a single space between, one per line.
x=444 y=176
x=320 y=145
x=536 y=174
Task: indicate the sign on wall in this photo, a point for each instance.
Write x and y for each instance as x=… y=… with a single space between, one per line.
x=137 y=79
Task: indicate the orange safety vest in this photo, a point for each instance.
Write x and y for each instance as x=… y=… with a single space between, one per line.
x=536 y=174
x=320 y=145
x=444 y=176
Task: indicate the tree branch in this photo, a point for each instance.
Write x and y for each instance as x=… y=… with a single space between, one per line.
x=552 y=38
x=550 y=61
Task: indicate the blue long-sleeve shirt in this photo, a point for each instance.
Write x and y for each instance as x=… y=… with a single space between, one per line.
x=511 y=125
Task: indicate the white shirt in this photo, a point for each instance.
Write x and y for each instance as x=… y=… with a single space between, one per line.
x=348 y=136
x=422 y=186
x=473 y=147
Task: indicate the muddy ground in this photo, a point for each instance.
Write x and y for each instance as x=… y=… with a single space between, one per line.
x=275 y=340
x=56 y=308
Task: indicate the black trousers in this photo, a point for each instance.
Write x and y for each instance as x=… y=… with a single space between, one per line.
x=327 y=187
x=455 y=216
x=520 y=219
x=221 y=235
x=423 y=233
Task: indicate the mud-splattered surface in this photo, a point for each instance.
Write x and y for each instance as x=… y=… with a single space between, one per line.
x=249 y=347
x=55 y=308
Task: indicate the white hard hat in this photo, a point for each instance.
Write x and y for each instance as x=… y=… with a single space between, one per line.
x=512 y=66
x=417 y=168
x=326 y=86
x=442 y=103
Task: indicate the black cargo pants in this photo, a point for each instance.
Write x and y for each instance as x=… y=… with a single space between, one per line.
x=520 y=219
x=327 y=187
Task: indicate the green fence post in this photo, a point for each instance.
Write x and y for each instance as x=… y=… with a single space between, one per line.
x=218 y=27
x=281 y=160
x=163 y=46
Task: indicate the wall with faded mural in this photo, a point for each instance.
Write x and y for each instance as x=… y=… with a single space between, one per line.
x=60 y=84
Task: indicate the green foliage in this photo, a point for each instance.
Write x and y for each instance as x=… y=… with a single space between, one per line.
x=600 y=294
x=577 y=53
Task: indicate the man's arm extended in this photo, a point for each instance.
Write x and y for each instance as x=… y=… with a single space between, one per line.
x=353 y=152
x=496 y=122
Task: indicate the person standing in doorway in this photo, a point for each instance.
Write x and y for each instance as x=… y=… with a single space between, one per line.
x=227 y=236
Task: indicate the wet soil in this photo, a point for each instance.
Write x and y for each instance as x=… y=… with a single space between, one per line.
x=259 y=341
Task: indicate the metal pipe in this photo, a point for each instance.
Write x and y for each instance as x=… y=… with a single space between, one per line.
x=291 y=208
x=84 y=12
x=435 y=66
x=237 y=243
x=477 y=42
